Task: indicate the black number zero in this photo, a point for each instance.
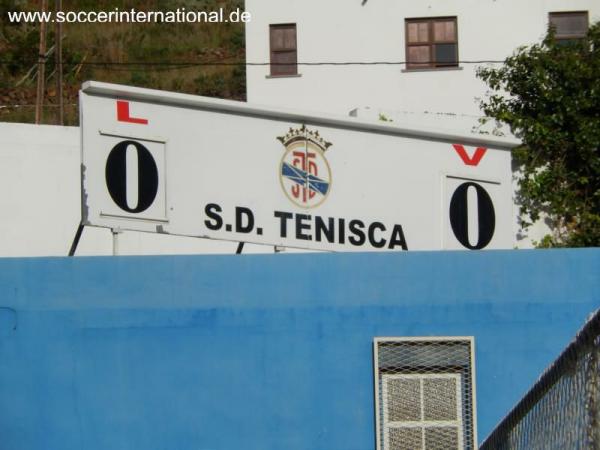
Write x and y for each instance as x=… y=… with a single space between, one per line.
x=459 y=216
x=116 y=176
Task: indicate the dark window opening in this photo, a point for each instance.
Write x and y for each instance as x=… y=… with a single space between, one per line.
x=284 y=56
x=569 y=27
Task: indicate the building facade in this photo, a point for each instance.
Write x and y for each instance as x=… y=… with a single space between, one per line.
x=427 y=53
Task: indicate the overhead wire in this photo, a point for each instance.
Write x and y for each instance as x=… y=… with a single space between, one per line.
x=185 y=64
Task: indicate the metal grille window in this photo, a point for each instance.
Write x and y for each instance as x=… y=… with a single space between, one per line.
x=284 y=55
x=569 y=26
x=431 y=43
x=424 y=393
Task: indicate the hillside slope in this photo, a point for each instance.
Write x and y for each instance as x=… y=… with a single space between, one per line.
x=183 y=57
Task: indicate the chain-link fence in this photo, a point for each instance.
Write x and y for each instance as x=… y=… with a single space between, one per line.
x=424 y=393
x=562 y=410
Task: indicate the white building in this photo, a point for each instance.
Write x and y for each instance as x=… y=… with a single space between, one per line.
x=438 y=44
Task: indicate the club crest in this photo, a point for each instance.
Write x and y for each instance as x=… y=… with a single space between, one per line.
x=304 y=172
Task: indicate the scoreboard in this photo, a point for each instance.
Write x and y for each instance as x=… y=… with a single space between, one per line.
x=179 y=164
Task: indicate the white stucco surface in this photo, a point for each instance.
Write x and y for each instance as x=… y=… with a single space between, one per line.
x=374 y=30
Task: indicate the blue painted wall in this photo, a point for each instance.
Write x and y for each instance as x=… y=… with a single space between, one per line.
x=266 y=351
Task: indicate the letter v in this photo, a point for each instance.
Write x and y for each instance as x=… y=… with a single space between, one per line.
x=473 y=160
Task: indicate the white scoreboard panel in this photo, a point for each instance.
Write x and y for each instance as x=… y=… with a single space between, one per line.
x=178 y=164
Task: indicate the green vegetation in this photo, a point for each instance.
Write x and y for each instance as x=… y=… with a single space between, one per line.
x=90 y=52
x=549 y=95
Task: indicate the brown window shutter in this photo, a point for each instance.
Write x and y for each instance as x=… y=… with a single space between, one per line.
x=284 y=58
x=569 y=26
x=431 y=42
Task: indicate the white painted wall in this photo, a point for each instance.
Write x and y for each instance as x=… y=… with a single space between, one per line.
x=348 y=30
x=40 y=202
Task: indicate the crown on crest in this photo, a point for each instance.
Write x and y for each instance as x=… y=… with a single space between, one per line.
x=304 y=134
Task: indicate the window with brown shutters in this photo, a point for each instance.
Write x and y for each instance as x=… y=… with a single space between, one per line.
x=431 y=43
x=569 y=26
x=284 y=56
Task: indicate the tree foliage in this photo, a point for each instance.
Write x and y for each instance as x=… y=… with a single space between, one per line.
x=549 y=95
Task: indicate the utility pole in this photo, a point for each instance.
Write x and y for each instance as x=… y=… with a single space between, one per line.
x=41 y=69
x=59 y=68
